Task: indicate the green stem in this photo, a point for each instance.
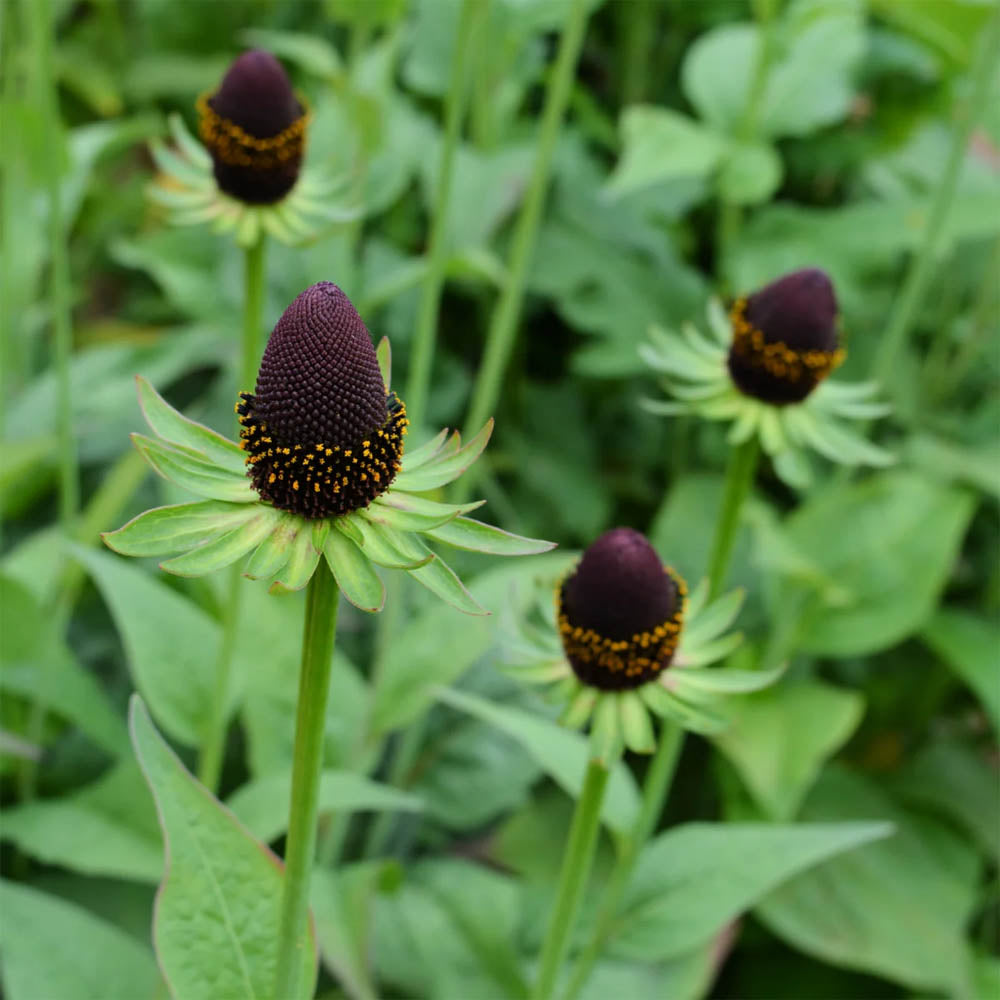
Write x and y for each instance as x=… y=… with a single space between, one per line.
x=423 y=345
x=214 y=741
x=739 y=477
x=654 y=796
x=922 y=266
x=503 y=323
x=636 y=25
x=253 y=308
x=577 y=862
x=314 y=688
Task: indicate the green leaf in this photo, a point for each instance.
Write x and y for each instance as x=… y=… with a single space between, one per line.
x=750 y=174
x=53 y=948
x=466 y=533
x=106 y=828
x=444 y=468
x=219 y=907
x=411 y=513
x=191 y=473
x=388 y=547
x=890 y=543
x=351 y=568
x=426 y=452
x=274 y=552
x=383 y=354
x=170 y=643
x=969 y=644
x=562 y=754
x=262 y=805
x=778 y=739
x=165 y=530
x=725 y=680
x=303 y=558
x=897 y=909
x=693 y=880
x=659 y=145
x=168 y=424
x=225 y=549
x=440 y=579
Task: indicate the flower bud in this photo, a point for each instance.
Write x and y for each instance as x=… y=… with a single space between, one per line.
x=620 y=612
x=323 y=436
x=255 y=129
x=785 y=338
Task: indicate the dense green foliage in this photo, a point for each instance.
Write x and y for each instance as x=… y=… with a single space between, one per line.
x=839 y=837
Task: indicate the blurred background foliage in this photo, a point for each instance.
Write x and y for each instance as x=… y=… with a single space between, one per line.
x=677 y=175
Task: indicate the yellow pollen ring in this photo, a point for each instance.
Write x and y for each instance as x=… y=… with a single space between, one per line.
x=237 y=147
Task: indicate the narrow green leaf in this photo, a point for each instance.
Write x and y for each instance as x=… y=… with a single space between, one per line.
x=703 y=626
x=348 y=524
x=441 y=471
x=53 y=948
x=219 y=908
x=411 y=513
x=696 y=718
x=425 y=453
x=440 y=579
x=466 y=533
x=379 y=544
x=690 y=655
x=174 y=427
x=262 y=805
x=635 y=724
x=725 y=681
x=275 y=550
x=188 y=144
x=352 y=569
x=579 y=708
x=303 y=557
x=606 y=729
x=165 y=530
x=561 y=753
x=192 y=474
x=228 y=548
x=383 y=354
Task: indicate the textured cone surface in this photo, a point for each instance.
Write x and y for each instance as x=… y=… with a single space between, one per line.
x=254 y=128
x=322 y=434
x=620 y=612
x=785 y=337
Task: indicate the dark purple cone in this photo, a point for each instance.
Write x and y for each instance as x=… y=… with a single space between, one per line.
x=799 y=311
x=256 y=97
x=619 y=591
x=323 y=435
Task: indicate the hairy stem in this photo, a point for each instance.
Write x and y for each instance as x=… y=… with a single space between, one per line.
x=922 y=266
x=577 y=862
x=739 y=477
x=655 y=790
x=503 y=323
x=314 y=688
x=437 y=251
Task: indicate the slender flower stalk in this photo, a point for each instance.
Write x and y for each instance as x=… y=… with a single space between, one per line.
x=314 y=687
x=577 y=863
x=503 y=324
x=214 y=744
x=921 y=269
x=739 y=478
x=437 y=251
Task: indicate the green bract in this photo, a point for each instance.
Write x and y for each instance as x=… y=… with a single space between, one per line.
x=688 y=692
x=232 y=522
x=696 y=376
x=187 y=189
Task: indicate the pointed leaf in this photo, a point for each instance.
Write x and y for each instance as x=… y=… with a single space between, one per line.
x=440 y=579
x=694 y=717
x=726 y=681
x=411 y=513
x=191 y=474
x=383 y=354
x=425 y=453
x=168 y=424
x=274 y=551
x=694 y=655
x=466 y=533
x=228 y=548
x=165 y=530
x=219 y=908
x=635 y=724
x=442 y=471
x=352 y=569
x=303 y=557
x=606 y=737
x=379 y=543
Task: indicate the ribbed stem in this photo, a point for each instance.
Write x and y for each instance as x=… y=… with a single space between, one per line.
x=739 y=476
x=922 y=265
x=654 y=796
x=253 y=308
x=314 y=689
x=577 y=862
x=503 y=324
x=437 y=251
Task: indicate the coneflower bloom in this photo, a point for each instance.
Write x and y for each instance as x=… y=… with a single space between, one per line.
x=628 y=640
x=765 y=367
x=320 y=472
x=248 y=176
